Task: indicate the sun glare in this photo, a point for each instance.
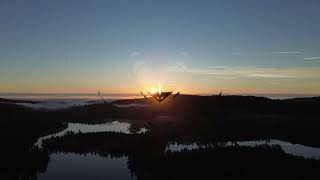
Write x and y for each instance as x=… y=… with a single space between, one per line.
x=155 y=90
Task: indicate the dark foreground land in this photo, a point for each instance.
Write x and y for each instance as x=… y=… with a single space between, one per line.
x=208 y=120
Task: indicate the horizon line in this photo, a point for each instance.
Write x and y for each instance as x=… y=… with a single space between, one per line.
x=203 y=94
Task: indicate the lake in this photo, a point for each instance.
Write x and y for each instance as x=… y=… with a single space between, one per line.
x=287 y=147
x=84 y=167
x=114 y=126
x=70 y=165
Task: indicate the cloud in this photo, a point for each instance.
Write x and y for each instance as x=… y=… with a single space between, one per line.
x=229 y=72
x=286 y=52
x=266 y=75
x=135 y=53
x=265 y=53
x=312 y=58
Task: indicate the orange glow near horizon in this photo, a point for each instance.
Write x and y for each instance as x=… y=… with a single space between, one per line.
x=154 y=90
x=189 y=88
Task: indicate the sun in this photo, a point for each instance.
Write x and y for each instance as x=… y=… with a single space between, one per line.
x=153 y=90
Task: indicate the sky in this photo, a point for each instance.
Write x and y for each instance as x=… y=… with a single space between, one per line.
x=197 y=47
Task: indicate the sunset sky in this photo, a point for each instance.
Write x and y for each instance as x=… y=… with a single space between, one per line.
x=239 y=46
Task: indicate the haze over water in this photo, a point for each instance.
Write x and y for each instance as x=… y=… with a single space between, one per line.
x=92 y=96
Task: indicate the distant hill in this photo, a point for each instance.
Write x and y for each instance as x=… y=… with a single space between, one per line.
x=311 y=100
x=18 y=101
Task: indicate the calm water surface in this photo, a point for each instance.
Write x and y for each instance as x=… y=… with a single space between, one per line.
x=82 y=167
x=114 y=126
x=91 y=166
x=287 y=147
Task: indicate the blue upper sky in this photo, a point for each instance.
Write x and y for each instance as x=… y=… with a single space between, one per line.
x=78 y=46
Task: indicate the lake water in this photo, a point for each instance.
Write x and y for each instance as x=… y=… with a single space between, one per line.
x=123 y=127
x=66 y=166
x=87 y=166
x=287 y=147
x=93 y=166
x=114 y=126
